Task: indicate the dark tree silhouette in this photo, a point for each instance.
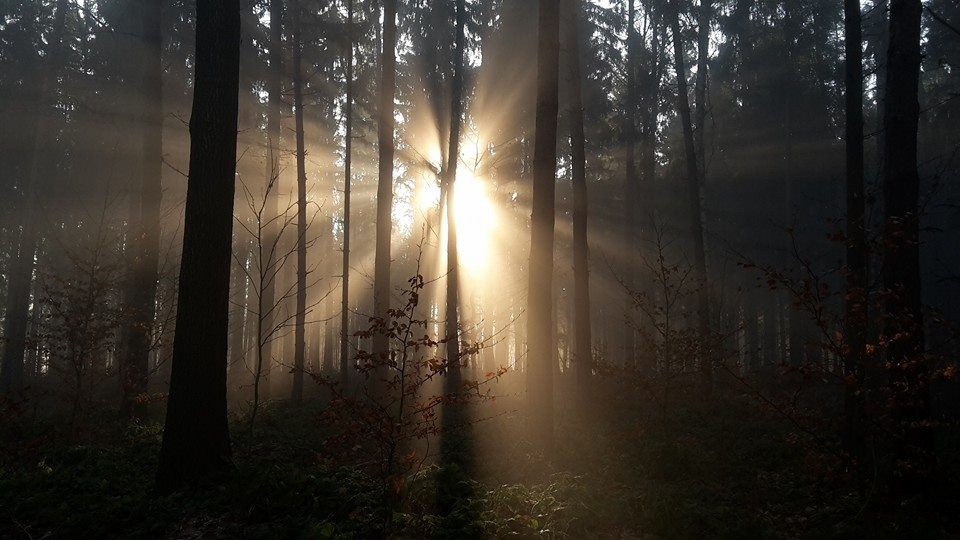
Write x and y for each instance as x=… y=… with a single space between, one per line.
x=583 y=354
x=347 y=162
x=453 y=443
x=196 y=440
x=541 y=347
x=299 y=336
x=450 y=181
x=385 y=122
x=856 y=299
x=901 y=258
x=693 y=182
x=271 y=207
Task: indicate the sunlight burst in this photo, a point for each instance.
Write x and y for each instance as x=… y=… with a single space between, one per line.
x=475 y=220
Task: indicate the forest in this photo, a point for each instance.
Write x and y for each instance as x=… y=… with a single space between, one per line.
x=479 y=269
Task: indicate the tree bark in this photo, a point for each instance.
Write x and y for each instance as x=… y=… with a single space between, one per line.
x=453 y=447
x=347 y=151
x=267 y=291
x=453 y=157
x=583 y=355
x=388 y=87
x=541 y=349
x=855 y=312
x=196 y=439
x=901 y=259
x=696 y=211
x=632 y=181
x=299 y=332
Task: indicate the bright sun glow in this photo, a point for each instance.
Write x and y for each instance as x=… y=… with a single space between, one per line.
x=475 y=220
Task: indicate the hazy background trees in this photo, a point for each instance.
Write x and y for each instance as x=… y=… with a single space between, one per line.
x=728 y=195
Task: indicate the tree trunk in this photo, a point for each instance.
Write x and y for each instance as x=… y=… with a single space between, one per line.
x=145 y=222
x=388 y=87
x=541 y=349
x=266 y=303
x=649 y=117
x=901 y=258
x=583 y=355
x=856 y=300
x=452 y=440
x=632 y=187
x=299 y=335
x=700 y=87
x=20 y=276
x=696 y=212
x=348 y=148
x=196 y=439
x=453 y=155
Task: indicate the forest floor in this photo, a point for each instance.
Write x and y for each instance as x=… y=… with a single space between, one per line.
x=723 y=469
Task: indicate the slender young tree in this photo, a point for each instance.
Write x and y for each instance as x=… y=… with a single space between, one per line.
x=791 y=28
x=453 y=158
x=388 y=87
x=693 y=181
x=856 y=300
x=299 y=332
x=196 y=439
x=901 y=258
x=581 y=252
x=20 y=277
x=141 y=294
x=452 y=448
x=631 y=178
x=542 y=352
x=270 y=219
x=650 y=84
x=347 y=155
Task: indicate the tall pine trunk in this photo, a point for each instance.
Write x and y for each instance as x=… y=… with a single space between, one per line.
x=696 y=211
x=453 y=156
x=856 y=299
x=901 y=258
x=388 y=87
x=453 y=447
x=299 y=333
x=541 y=349
x=347 y=151
x=267 y=290
x=632 y=181
x=583 y=357
x=145 y=222
x=196 y=439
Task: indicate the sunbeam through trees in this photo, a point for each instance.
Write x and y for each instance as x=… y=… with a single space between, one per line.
x=479 y=268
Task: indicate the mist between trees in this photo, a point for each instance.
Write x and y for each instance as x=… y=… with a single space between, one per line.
x=465 y=268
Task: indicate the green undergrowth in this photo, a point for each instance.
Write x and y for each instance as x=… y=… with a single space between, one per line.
x=724 y=471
